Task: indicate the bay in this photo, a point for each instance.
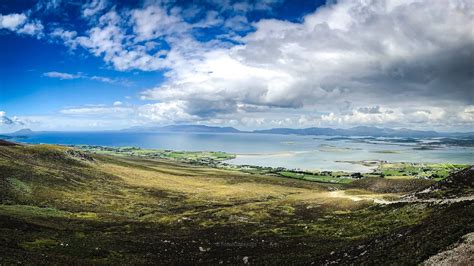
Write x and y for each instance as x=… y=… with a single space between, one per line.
x=289 y=151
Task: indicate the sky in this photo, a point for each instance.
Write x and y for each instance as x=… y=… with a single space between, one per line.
x=106 y=65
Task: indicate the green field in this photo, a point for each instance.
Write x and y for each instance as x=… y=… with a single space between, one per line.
x=65 y=206
x=158 y=154
x=317 y=177
x=410 y=170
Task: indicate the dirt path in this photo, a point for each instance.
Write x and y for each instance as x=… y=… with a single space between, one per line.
x=342 y=194
x=433 y=200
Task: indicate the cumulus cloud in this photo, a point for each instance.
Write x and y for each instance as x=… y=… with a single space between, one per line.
x=159 y=38
x=99 y=111
x=4 y=120
x=93 y=7
x=168 y=112
x=246 y=5
x=109 y=40
x=349 y=62
x=158 y=113
x=19 y=23
x=68 y=37
x=33 y=28
x=155 y=21
x=8 y=124
x=12 y=21
x=103 y=79
x=61 y=75
x=467 y=115
x=410 y=53
x=67 y=76
x=370 y=110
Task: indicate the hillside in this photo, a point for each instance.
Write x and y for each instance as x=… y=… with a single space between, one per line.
x=460 y=184
x=65 y=206
x=185 y=128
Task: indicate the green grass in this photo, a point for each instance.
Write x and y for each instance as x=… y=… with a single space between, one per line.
x=163 y=154
x=39 y=244
x=107 y=207
x=317 y=178
x=436 y=171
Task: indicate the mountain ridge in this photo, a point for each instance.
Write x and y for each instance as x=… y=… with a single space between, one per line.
x=313 y=131
x=358 y=131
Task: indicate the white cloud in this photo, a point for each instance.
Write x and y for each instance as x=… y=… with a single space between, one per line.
x=169 y=112
x=93 y=7
x=9 y=124
x=33 y=28
x=361 y=118
x=78 y=122
x=103 y=79
x=12 y=21
x=238 y=23
x=19 y=23
x=154 y=22
x=61 y=75
x=67 y=36
x=99 y=111
x=108 y=39
x=158 y=113
x=160 y=38
x=401 y=54
x=467 y=115
x=245 y=6
x=66 y=76
x=349 y=62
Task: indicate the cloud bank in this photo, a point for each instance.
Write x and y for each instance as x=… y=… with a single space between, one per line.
x=389 y=63
x=415 y=58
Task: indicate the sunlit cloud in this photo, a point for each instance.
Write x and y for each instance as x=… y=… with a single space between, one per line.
x=386 y=63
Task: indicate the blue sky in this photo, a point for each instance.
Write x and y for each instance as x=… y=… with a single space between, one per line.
x=102 y=64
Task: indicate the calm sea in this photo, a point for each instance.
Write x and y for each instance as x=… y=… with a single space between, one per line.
x=290 y=151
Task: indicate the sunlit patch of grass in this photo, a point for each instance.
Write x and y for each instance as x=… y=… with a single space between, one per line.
x=204 y=186
x=41 y=243
x=114 y=208
x=419 y=170
x=399 y=177
x=32 y=211
x=19 y=186
x=317 y=177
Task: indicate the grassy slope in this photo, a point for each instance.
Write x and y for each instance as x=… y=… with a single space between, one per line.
x=64 y=206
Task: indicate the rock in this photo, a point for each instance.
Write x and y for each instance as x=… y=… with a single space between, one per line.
x=80 y=155
x=204 y=249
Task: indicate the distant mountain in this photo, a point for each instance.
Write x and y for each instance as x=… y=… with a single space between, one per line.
x=300 y=131
x=22 y=132
x=355 y=131
x=185 y=128
x=312 y=131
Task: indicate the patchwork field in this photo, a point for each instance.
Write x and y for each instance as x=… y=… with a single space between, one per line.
x=62 y=205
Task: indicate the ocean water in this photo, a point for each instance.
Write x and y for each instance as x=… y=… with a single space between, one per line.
x=289 y=151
